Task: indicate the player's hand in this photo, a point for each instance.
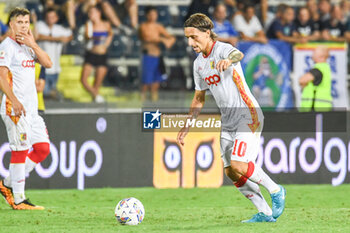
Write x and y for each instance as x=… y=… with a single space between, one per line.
x=26 y=38
x=181 y=136
x=222 y=65
x=18 y=108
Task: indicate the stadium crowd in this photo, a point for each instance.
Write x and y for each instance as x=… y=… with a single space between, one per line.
x=70 y=26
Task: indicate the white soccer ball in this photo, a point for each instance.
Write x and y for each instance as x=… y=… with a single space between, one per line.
x=129 y=211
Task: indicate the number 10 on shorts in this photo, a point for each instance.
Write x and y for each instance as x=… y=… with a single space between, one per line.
x=239 y=148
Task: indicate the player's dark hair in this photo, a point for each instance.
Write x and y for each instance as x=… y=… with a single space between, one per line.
x=17 y=12
x=202 y=23
x=150 y=8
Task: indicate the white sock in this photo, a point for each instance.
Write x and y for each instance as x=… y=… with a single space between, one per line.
x=260 y=177
x=19 y=197
x=17 y=174
x=30 y=165
x=251 y=191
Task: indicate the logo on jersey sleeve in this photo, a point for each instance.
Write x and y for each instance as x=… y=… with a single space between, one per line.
x=212 y=80
x=28 y=63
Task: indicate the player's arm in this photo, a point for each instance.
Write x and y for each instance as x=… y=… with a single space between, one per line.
x=5 y=87
x=196 y=107
x=28 y=39
x=233 y=57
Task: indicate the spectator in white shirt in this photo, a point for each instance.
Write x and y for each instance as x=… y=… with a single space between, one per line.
x=249 y=26
x=51 y=38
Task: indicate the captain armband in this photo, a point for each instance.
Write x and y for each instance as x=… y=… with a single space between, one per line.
x=235 y=56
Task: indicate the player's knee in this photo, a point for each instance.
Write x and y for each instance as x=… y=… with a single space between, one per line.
x=40 y=152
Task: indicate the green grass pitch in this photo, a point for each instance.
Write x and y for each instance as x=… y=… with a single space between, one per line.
x=309 y=208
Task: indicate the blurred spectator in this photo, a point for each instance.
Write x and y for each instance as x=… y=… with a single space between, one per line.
x=280 y=10
x=311 y=5
x=305 y=26
x=347 y=37
x=117 y=10
x=334 y=28
x=324 y=7
x=231 y=6
x=239 y=8
x=63 y=9
x=152 y=34
x=345 y=7
x=51 y=37
x=317 y=83
x=222 y=27
x=99 y=34
x=3 y=31
x=276 y=16
x=249 y=26
x=284 y=28
x=261 y=7
x=76 y=12
x=201 y=6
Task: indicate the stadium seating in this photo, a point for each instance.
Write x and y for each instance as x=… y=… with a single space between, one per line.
x=142 y=14
x=70 y=86
x=179 y=19
x=133 y=46
x=117 y=48
x=164 y=16
x=74 y=47
x=179 y=48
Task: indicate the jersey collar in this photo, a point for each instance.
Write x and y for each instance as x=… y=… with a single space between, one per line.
x=15 y=40
x=210 y=50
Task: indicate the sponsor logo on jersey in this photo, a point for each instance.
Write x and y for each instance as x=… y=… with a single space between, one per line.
x=214 y=79
x=212 y=65
x=23 y=136
x=28 y=64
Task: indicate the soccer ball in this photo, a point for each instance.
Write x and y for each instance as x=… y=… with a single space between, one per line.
x=129 y=211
